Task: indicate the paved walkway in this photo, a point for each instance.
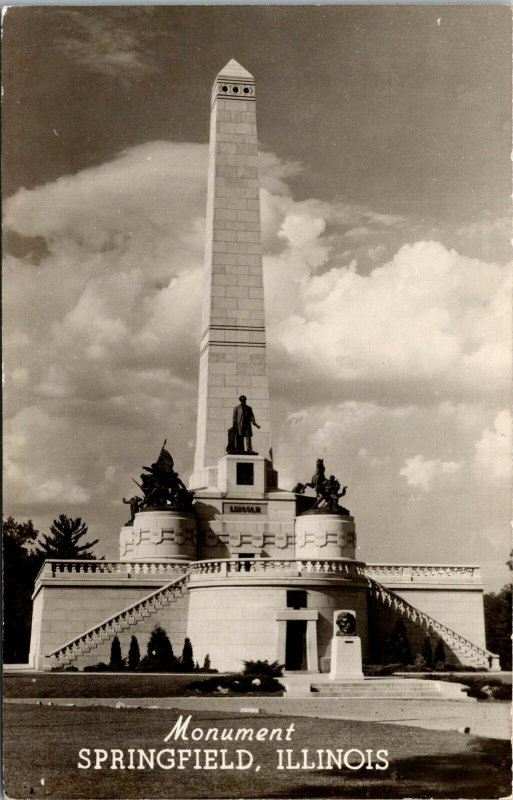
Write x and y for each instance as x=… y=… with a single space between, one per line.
x=489 y=719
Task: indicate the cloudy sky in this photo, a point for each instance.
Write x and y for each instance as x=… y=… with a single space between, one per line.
x=384 y=135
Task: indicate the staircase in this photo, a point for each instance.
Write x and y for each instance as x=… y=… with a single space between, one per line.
x=106 y=630
x=390 y=689
x=301 y=686
x=468 y=653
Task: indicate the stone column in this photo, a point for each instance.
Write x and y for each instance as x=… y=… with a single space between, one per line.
x=232 y=356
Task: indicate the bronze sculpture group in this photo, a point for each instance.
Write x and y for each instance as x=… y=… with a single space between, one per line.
x=162 y=487
x=327 y=490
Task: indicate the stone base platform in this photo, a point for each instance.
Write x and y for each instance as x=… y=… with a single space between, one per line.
x=374 y=688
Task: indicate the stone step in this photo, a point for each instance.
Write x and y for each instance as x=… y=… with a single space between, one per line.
x=378 y=693
x=399 y=689
x=350 y=691
x=338 y=700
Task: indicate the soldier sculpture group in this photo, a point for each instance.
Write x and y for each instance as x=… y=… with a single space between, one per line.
x=162 y=487
x=327 y=490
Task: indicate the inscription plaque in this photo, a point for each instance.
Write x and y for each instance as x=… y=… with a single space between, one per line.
x=244 y=508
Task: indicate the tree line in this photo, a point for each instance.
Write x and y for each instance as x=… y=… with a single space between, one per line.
x=24 y=551
x=159 y=657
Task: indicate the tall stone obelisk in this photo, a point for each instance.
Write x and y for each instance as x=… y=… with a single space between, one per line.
x=232 y=354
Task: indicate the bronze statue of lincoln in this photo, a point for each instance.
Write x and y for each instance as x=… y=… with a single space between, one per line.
x=243 y=418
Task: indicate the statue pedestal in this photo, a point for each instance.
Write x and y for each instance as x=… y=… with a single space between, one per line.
x=346 y=658
x=323 y=534
x=159 y=535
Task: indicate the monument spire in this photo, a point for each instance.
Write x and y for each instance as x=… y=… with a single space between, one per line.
x=232 y=353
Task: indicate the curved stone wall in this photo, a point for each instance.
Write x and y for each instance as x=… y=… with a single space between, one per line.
x=325 y=536
x=233 y=622
x=159 y=534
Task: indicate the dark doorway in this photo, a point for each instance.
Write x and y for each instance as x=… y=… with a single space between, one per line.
x=295 y=645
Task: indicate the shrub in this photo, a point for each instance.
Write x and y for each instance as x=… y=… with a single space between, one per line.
x=116 y=662
x=399 y=645
x=240 y=684
x=134 y=654
x=254 y=683
x=62 y=668
x=480 y=686
x=501 y=691
x=427 y=652
x=187 y=660
x=263 y=669
x=256 y=677
x=439 y=657
x=99 y=667
x=372 y=670
x=207 y=686
x=419 y=665
x=160 y=657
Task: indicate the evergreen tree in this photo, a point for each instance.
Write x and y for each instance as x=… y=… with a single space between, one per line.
x=134 y=655
x=187 y=662
x=20 y=567
x=116 y=662
x=63 y=542
x=160 y=657
x=427 y=652
x=206 y=663
x=21 y=533
x=439 y=657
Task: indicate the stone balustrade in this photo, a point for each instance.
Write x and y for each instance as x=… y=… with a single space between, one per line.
x=433 y=573
x=63 y=568
x=400 y=573
x=274 y=567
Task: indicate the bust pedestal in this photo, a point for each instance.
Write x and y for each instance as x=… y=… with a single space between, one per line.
x=346 y=658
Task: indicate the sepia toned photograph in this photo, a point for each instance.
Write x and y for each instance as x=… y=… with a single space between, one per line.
x=256 y=407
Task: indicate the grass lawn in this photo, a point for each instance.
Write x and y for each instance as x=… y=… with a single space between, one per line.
x=98 y=684
x=42 y=743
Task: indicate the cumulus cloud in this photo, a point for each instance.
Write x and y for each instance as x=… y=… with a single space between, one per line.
x=492 y=461
x=35 y=467
x=489 y=236
x=429 y=318
x=120 y=286
x=421 y=472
